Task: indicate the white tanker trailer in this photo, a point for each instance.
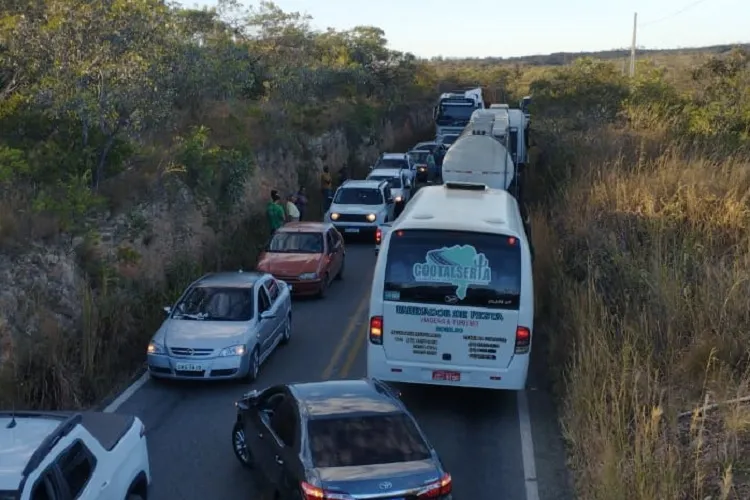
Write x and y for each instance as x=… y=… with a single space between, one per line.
x=481 y=154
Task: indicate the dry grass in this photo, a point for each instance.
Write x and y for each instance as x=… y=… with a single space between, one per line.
x=645 y=257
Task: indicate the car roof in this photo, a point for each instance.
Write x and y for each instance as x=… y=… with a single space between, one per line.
x=305 y=227
x=344 y=397
x=385 y=172
x=420 y=151
x=239 y=279
x=450 y=208
x=362 y=183
x=394 y=156
x=425 y=143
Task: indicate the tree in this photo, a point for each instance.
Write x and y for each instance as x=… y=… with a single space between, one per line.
x=98 y=63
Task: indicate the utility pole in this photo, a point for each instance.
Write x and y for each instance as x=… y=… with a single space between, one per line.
x=632 y=46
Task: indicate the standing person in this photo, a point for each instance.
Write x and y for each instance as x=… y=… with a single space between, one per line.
x=301 y=202
x=291 y=208
x=275 y=212
x=326 y=185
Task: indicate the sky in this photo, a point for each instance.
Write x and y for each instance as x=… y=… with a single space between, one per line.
x=430 y=28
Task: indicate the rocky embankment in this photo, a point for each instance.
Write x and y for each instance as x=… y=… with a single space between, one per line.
x=77 y=310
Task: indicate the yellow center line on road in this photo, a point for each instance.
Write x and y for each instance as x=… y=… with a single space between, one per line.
x=359 y=341
x=344 y=342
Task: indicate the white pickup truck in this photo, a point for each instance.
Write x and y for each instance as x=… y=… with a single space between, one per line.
x=86 y=456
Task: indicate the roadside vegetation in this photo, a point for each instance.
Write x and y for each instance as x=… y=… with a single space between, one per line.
x=114 y=112
x=641 y=226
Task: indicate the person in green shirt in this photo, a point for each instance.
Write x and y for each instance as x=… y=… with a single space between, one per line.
x=275 y=212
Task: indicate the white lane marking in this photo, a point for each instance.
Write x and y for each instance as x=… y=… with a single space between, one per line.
x=527 y=447
x=126 y=394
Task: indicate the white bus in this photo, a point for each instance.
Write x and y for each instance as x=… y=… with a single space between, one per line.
x=452 y=300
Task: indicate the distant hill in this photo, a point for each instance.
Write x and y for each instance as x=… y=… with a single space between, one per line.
x=562 y=58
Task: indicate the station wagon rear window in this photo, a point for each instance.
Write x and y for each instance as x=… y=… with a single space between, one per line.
x=458 y=268
x=365 y=440
x=207 y=303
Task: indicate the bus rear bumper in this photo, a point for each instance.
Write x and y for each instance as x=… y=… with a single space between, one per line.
x=407 y=372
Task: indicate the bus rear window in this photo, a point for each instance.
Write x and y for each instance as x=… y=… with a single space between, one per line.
x=458 y=268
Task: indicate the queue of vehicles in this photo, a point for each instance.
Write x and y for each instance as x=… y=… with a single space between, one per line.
x=451 y=304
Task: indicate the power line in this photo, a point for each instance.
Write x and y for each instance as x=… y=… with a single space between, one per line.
x=674 y=14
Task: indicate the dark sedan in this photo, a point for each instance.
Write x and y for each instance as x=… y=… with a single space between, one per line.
x=338 y=440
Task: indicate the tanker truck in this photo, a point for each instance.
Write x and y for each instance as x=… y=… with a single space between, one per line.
x=481 y=154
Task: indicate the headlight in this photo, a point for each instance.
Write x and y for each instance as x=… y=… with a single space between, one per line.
x=422 y=169
x=308 y=276
x=154 y=348
x=398 y=199
x=334 y=216
x=371 y=217
x=235 y=350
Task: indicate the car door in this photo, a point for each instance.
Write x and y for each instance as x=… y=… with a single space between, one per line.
x=281 y=447
x=277 y=306
x=389 y=204
x=408 y=188
x=266 y=326
x=332 y=255
x=256 y=430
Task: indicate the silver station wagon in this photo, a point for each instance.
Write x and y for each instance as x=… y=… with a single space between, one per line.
x=224 y=326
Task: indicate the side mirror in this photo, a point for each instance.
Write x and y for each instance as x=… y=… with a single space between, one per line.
x=248 y=400
x=167 y=310
x=372 y=167
x=267 y=315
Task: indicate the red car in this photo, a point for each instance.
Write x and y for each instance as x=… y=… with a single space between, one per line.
x=306 y=255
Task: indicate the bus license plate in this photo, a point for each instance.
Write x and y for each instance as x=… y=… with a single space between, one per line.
x=449 y=376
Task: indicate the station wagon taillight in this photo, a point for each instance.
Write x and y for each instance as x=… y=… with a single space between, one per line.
x=438 y=489
x=376 y=330
x=523 y=340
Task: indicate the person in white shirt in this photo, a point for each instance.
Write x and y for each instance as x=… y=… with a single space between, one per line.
x=292 y=212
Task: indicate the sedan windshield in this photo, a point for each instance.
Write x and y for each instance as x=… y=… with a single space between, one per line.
x=392 y=163
x=358 y=196
x=419 y=156
x=216 y=304
x=296 y=243
x=365 y=440
x=427 y=146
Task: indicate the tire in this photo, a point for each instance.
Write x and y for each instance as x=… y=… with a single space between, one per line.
x=340 y=274
x=243 y=458
x=254 y=368
x=288 y=332
x=324 y=287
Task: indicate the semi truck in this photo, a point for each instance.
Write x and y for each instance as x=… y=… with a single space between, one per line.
x=453 y=110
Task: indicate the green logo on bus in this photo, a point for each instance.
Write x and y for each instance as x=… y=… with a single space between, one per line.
x=459 y=266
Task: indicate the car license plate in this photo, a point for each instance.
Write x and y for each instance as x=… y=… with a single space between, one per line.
x=351 y=230
x=449 y=376
x=188 y=367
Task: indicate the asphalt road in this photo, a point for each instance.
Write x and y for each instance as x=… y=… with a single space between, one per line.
x=476 y=433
